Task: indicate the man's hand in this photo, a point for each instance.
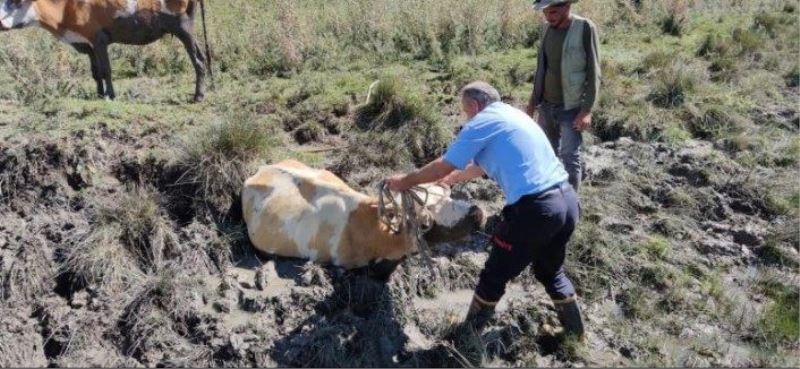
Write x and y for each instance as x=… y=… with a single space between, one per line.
x=583 y=121
x=398 y=183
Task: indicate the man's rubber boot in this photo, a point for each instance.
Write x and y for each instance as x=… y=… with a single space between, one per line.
x=569 y=314
x=479 y=314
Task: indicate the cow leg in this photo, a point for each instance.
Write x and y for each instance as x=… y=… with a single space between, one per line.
x=102 y=40
x=185 y=34
x=98 y=79
x=87 y=49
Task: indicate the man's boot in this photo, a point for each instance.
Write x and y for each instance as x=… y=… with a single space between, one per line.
x=479 y=314
x=569 y=314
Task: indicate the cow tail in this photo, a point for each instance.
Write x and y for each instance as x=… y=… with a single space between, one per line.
x=205 y=37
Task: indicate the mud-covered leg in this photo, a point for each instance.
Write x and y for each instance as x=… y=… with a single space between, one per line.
x=184 y=33
x=102 y=40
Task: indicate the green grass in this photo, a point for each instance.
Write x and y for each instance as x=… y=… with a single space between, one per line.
x=780 y=321
x=292 y=77
x=657 y=246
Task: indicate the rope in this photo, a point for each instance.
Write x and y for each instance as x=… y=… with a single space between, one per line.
x=406 y=218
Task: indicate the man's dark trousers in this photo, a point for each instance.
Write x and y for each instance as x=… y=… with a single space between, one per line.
x=534 y=231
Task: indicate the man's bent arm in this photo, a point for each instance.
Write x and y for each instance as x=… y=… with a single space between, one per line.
x=471 y=172
x=434 y=171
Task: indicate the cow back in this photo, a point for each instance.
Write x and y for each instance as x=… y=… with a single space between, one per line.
x=296 y=211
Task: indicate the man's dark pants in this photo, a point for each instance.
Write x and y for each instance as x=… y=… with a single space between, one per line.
x=534 y=231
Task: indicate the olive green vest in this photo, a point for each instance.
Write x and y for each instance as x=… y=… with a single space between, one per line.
x=573 y=64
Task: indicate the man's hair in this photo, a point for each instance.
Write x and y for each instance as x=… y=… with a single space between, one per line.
x=481 y=92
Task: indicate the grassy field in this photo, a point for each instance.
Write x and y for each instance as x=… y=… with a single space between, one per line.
x=687 y=254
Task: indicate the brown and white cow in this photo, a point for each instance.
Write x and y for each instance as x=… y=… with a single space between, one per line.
x=295 y=211
x=91 y=25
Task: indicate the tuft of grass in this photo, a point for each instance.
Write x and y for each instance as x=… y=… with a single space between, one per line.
x=656 y=246
x=634 y=303
x=28 y=273
x=391 y=105
x=214 y=162
x=673 y=24
x=712 y=121
x=714 y=44
x=748 y=40
x=719 y=50
x=675 y=134
x=771 y=22
x=780 y=321
x=401 y=113
x=657 y=60
x=675 y=84
x=132 y=229
x=161 y=313
x=99 y=258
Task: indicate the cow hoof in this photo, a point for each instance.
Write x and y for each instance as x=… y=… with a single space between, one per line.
x=199 y=98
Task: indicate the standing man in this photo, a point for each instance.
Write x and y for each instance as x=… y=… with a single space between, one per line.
x=567 y=81
x=541 y=207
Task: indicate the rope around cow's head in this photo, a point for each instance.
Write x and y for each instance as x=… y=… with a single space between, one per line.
x=410 y=215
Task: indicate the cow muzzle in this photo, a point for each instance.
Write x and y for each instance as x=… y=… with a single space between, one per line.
x=474 y=221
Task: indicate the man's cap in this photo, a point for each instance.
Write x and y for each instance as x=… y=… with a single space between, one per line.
x=543 y=4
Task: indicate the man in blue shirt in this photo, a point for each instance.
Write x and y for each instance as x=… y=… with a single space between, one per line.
x=542 y=207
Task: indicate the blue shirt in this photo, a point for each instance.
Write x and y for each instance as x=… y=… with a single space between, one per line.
x=511 y=148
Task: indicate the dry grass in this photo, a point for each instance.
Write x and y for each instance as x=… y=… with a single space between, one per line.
x=163 y=313
x=26 y=269
x=132 y=229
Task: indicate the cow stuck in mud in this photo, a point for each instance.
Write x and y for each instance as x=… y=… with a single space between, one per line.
x=292 y=210
x=91 y=25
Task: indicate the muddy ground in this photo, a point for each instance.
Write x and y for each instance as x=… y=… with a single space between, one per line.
x=85 y=284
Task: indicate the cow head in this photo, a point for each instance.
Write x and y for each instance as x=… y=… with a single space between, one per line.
x=17 y=14
x=450 y=219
